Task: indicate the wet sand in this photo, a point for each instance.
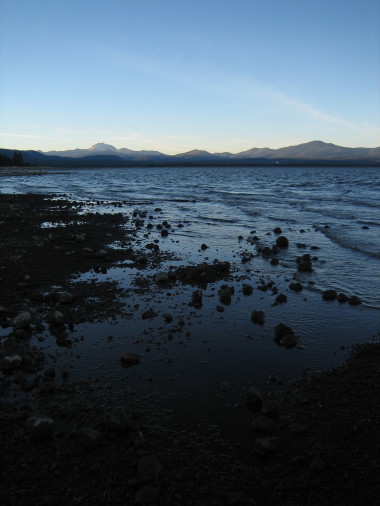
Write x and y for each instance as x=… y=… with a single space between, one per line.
x=68 y=441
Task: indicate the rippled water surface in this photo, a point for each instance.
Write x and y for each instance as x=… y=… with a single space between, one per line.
x=339 y=206
x=335 y=209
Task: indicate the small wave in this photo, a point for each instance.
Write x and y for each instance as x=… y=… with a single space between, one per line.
x=346 y=243
x=368 y=222
x=287 y=220
x=216 y=220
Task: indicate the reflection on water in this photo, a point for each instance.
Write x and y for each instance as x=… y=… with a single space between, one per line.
x=334 y=210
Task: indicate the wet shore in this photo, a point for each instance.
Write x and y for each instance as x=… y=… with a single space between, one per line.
x=70 y=441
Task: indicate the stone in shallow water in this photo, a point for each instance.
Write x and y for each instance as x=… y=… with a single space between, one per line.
x=342 y=297
x=128 y=359
x=247 y=289
x=258 y=317
x=196 y=298
x=149 y=313
x=297 y=287
x=329 y=295
x=282 y=330
x=289 y=340
x=282 y=241
x=354 y=301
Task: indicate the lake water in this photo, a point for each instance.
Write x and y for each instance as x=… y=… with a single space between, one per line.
x=335 y=209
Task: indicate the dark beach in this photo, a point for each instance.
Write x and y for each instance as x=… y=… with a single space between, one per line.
x=68 y=441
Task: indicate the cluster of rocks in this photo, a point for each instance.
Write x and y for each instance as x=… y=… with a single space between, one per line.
x=264 y=424
x=200 y=274
x=283 y=335
x=354 y=300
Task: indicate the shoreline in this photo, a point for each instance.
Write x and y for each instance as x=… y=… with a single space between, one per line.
x=90 y=431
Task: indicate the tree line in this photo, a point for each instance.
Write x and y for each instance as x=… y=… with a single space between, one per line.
x=17 y=160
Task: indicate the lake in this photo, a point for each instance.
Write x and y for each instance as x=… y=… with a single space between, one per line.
x=331 y=213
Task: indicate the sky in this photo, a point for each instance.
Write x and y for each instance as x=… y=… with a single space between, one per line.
x=177 y=75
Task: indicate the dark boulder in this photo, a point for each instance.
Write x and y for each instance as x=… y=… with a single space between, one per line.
x=282 y=241
x=329 y=295
x=297 y=287
x=258 y=317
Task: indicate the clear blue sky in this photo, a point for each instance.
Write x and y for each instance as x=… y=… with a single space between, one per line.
x=175 y=75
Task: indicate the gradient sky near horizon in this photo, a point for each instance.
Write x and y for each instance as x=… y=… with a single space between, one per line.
x=175 y=75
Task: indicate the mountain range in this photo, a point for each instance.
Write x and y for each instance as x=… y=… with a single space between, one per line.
x=315 y=152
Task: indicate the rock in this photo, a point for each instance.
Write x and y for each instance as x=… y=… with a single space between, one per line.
x=141 y=260
x=297 y=287
x=281 y=298
x=266 y=252
x=266 y=445
x=263 y=424
x=220 y=309
x=282 y=241
x=168 y=318
x=329 y=295
x=49 y=372
x=305 y=266
x=89 y=437
x=56 y=318
x=164 y=233
x=148 y=314
x=149 y=466
x=22 y=320
x=254 y=399
x=354 y=301
x=204 y=247
x=146 y=495
x=128 y=359
x=277 y=230
x=274 y=261
x=196 y=298
x=289 y=340
x=65 y=298
x=162 y=277
x=225 y=294
x=10 y=362
x=247 y=289
x=101 y=253
x=222 y=266
x=117 y=422
x=282 y=330
x=41 y=427
x=136 y=438
x=258 y=317
x=341 y=297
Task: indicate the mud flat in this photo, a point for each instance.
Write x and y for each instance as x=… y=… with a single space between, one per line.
x=69 y=438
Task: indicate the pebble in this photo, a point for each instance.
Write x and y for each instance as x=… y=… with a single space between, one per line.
x=22 y=320
x=129 y=359
x=258 y=317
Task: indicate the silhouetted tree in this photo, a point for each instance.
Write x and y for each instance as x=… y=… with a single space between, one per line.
x=17 y=159
x=5 y=161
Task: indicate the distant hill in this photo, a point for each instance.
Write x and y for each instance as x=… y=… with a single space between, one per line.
x=103 y=155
